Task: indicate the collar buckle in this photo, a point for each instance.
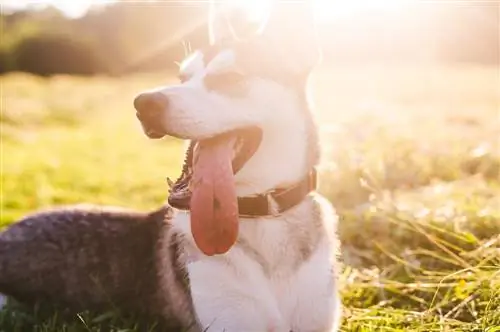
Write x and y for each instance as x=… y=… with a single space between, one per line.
x=272 y=204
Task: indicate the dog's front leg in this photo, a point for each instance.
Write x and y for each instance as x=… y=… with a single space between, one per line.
x=231 y=293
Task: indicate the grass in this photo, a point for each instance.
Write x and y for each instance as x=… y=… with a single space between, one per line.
x=411 y=162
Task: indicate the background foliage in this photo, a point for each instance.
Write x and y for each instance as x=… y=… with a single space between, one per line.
x=129 y=36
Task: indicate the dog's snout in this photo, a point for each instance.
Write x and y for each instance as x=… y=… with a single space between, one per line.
x=150 y=104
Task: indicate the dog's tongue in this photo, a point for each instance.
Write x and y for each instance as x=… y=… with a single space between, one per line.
x=214 y=206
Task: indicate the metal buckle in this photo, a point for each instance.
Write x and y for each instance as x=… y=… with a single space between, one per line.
x=272 y=205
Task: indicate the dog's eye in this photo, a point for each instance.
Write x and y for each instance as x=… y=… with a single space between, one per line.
x=224 y=81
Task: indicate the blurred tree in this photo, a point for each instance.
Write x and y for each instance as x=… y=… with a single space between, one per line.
x=48 y=54
x=145 y=35
x=6 y=63
x=150 y=35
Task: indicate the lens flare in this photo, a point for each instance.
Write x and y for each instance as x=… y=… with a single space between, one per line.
x=326 y=10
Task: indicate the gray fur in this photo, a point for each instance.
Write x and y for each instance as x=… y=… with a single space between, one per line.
x=97 y=259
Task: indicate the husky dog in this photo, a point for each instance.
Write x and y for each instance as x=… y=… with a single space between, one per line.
x=244 y=243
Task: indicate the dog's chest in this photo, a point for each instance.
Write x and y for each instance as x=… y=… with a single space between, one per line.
x=298 y=273
x=279 y=275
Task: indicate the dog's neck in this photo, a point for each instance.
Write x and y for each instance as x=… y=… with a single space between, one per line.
x=285 y=157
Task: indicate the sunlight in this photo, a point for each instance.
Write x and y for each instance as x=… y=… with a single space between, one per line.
x=256 y=9
x=328 y=10
x=76 y=8
x=325 y=10
x=70 y=8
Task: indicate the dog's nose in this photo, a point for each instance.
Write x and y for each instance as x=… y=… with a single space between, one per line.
x=150 y=104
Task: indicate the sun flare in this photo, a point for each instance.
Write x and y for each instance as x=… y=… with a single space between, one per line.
x=325 y=10
x=328 y=10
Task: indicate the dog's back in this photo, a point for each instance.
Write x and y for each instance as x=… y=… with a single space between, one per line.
x=78 y=259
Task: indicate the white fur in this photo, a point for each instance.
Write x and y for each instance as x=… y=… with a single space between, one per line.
x=231 y=292
x=191 y=65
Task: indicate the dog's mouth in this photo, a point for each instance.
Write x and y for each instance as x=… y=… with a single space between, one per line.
x=206 y=186
x=151 y=133
x=151 y=127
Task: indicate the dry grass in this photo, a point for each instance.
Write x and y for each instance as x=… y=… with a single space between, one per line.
x=411 y=161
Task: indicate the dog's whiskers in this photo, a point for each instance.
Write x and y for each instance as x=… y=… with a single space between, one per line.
x=170 y=183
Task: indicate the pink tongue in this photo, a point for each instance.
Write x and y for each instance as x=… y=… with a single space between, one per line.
x=214 y=206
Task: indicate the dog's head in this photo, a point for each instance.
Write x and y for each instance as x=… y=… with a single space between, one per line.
x=237 y=84
x=247 y=89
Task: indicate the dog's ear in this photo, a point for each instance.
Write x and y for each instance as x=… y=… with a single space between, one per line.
x=228 y=21
x=219 y=28
x=291 y=31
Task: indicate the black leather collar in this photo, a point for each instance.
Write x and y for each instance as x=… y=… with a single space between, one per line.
x=275 y=201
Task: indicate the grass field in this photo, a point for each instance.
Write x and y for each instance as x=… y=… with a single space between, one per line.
x=411 y=161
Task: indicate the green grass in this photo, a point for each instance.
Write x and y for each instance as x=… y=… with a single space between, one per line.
x=411 y=162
